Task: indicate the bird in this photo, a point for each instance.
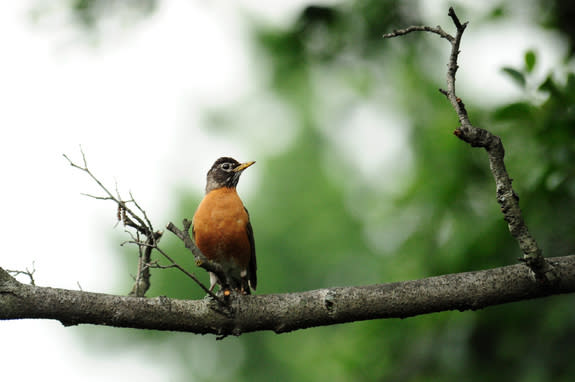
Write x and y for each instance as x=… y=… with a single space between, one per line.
x=222 y=230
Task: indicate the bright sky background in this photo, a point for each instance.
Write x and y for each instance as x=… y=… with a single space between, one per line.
x=136 y=99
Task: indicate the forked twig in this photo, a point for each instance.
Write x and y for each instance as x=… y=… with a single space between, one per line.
x=27 y=272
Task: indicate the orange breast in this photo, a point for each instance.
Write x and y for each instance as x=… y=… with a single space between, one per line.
x=220 y=228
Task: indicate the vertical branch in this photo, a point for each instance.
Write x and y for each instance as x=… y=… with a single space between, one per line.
x=477 y=137
x=142 y=282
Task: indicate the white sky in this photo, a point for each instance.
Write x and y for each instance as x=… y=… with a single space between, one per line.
x=136 y=99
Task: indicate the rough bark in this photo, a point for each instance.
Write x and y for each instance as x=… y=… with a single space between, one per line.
x=289 y=311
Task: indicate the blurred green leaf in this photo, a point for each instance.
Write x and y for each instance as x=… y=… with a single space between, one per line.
x=514 y=111
x=530 y=61
x=570 y=86
x=550 y=86
x=497 y=13
x=515 y=75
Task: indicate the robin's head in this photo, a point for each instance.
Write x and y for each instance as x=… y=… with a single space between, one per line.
x=225 y=172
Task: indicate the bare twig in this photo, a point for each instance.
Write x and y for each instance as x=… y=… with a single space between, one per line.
x=420 y=28
x=96 y=197
x=155 y=264
x=190 y=275
x=109 y=195
x=142 y=279
x=478 y=137
x=27 y=272
x=148 y=222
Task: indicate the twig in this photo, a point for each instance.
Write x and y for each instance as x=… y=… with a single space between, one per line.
x=148 y=222
x=27 y=272
x=478 y=137
x=155 y=264
x=420 y=28
x=193 y=277
x=121 y=203
x=142 y=281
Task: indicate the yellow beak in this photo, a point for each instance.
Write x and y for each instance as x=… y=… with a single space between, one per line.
x=243 y=166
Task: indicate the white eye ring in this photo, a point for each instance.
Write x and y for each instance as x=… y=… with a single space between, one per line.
x=226 y=166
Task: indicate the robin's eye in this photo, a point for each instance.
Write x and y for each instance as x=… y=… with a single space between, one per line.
x=226 y=166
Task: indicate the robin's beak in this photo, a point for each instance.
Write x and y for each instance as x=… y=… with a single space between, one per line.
x=243 y=166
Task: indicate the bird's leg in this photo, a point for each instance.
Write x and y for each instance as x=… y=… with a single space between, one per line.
x=244 y=286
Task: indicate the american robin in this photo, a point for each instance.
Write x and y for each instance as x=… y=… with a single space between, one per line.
x=222 y=229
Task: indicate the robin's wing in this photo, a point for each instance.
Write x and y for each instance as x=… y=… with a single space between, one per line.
x=252 y=266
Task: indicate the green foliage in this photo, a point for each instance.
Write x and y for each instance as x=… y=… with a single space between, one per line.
x=94 y=17
x=530 y=60
x=516 y=75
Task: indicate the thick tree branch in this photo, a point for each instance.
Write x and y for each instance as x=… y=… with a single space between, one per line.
x=477 y=137
x=285 y=312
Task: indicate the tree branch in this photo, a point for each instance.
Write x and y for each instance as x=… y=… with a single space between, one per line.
x=285 y=312
x=477 y=137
